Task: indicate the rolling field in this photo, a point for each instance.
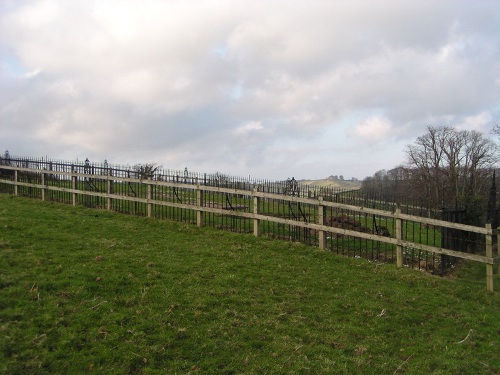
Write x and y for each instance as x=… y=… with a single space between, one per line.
x=86 y=290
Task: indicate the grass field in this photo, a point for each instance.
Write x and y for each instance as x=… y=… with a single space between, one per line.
x=83 y=291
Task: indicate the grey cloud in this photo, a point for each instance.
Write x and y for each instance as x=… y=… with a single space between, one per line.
x=186 y=83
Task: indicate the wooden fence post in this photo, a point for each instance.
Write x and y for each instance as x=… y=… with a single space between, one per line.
x=498 y=251
x=199 y=204
x=256 y=222
x=399 y=237
x=73 y=183
x=489 y=253
x=109 y=190
x=321 y=221
x=43 y=189
x=16 y=189
x=150 y=197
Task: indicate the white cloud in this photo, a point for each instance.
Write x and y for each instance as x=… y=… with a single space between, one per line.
x=479 y=122
x=250 y=127
x=372 y=130
x=31 y=74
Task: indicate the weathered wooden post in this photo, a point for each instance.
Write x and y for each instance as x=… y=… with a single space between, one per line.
x=16 y=189
x=256 y=222
x=321 y=221
x=199 y=204
x=44 y=188
x=498 y=250
x=73 y=183
x=399 y=238
x=489 y=254
x=150 y=196
x=109 y=190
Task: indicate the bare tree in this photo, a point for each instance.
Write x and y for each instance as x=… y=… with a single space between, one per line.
x=450 y=166
x=145 y=171
x=496 y=129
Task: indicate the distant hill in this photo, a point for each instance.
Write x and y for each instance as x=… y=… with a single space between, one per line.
x=333 y=183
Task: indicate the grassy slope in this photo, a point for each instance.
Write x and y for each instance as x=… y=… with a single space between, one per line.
x=341 y=184
x=88 y=290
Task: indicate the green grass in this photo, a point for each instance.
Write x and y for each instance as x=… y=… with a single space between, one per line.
x=85 y=290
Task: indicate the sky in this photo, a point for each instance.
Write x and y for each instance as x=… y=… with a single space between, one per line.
x=267 y=89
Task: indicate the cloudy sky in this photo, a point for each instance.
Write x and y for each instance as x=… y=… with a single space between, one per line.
x=271 y=89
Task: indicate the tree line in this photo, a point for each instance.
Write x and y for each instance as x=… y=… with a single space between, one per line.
x=445 y=168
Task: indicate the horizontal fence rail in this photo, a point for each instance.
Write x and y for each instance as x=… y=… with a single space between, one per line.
x=337 y=221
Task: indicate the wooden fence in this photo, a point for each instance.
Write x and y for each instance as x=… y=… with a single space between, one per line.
x=325 y=222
